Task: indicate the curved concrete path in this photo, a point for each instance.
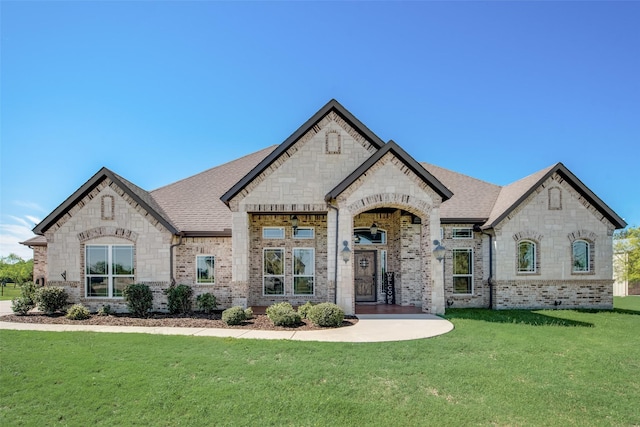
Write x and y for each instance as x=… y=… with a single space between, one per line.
x=370 y=328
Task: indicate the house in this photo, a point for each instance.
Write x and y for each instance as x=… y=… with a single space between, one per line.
x=335 y=214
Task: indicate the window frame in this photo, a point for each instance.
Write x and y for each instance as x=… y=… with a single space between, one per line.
x=469 y=275
x=308 y=276
x=213 y=268
x=534 y=252
x=280 y=236
x=109 y=275
x=467 y=235
x=370 y=242
x=311 y=237
x=587 y=256
x=266 y=277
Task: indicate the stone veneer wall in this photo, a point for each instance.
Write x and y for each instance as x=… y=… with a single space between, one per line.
x=185 y=265
x=480 y=296
x=536 y=294
x=323 y=292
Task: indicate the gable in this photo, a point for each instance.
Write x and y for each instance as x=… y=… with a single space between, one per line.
x=323 y=151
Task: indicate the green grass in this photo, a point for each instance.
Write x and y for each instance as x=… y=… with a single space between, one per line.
x=552 y=368
x=9 y=292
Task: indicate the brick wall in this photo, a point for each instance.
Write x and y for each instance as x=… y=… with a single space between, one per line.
x=536 y=294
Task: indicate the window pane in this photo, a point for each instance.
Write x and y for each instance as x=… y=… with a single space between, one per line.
x=97 y=286
x=462 y=233
x=461 y=261
x=363 y=236
x=273 y=286
x=96 y=262
x=205 y=267
x=526 y=256
x=303 y=262
x=303 y=285
x=122 y=260
x=462 y=285
x=580 y=256
x=303 y=233
x=273 y=233
x=119 y=283
x=273 y=262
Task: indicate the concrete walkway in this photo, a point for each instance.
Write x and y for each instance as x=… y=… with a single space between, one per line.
x=370 y=328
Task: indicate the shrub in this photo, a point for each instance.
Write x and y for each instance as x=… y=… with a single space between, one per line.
x=105 y=310
x=206 y=302
x=139 y=299
x=283 y=314
x=303 y=310
x=179 y=297
x=26 y=301
x=78 y=312
x=248 y=313
x=22 y=305
x=51 y=299
x=234 y=315
x=326 y=315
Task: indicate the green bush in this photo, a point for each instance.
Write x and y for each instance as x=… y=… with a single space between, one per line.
x=303 y=310
x=283 y=314
x=206 y=302
x=180 y=300
x=105 y=310
x=22 y=305
x=139 y=299
x=26 y=301
x=326 y=314
x=78 y=312
x=248 y=313
x=51 y=299
x=234 y=315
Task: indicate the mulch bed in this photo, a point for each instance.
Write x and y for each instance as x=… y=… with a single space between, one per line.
x=195 y=320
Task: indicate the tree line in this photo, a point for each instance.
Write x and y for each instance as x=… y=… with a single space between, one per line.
x=14 y=269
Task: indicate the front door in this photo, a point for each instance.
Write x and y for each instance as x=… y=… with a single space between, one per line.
x=365 y=276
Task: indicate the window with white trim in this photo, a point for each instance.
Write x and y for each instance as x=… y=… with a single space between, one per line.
x=581 y=256
x=273 y=271
x=205 y=269
x=108 y=270
x=304 y=233
x=526 y=256
x=304 y=270
x=462 y=271
x=462 y=233
x=363 y=236
x=273 y=232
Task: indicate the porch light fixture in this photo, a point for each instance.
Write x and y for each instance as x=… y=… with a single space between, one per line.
x=294 y=223
x=439 y=250
x=374 y=229
x=346 y=252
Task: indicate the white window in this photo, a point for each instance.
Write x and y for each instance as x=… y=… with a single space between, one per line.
x=462 y=271
x=273 y=271
x=462 y=233
x=273 y=232
x=304 y=270
x=304 y=233
x=581 y=256
x=108 y=270
x=526 y=256
x=205 y=269
x=363 y=236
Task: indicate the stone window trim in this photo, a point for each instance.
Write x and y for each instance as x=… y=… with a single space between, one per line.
x=554 y=198
x=590 y=268
x=589 y=238
x=107 y=208
x=333 y=142
x=110 y=275
x=210 y=278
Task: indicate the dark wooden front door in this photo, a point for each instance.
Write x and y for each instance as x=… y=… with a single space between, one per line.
x=365 y=276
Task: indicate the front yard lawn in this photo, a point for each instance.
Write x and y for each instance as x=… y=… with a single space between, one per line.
x=552 y=368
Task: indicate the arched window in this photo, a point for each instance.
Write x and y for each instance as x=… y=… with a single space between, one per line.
x=526 y=256
x=581 y=256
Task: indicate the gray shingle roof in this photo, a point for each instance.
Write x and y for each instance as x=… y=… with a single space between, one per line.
x=194 y=204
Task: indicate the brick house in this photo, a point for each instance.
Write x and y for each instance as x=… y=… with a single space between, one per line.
x=335 y=214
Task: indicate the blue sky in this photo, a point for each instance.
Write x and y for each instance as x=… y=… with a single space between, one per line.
x=158 y=91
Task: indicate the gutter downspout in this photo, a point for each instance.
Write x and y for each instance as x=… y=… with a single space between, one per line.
x=335 y=278
x=172 y=280
x=490 y=279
